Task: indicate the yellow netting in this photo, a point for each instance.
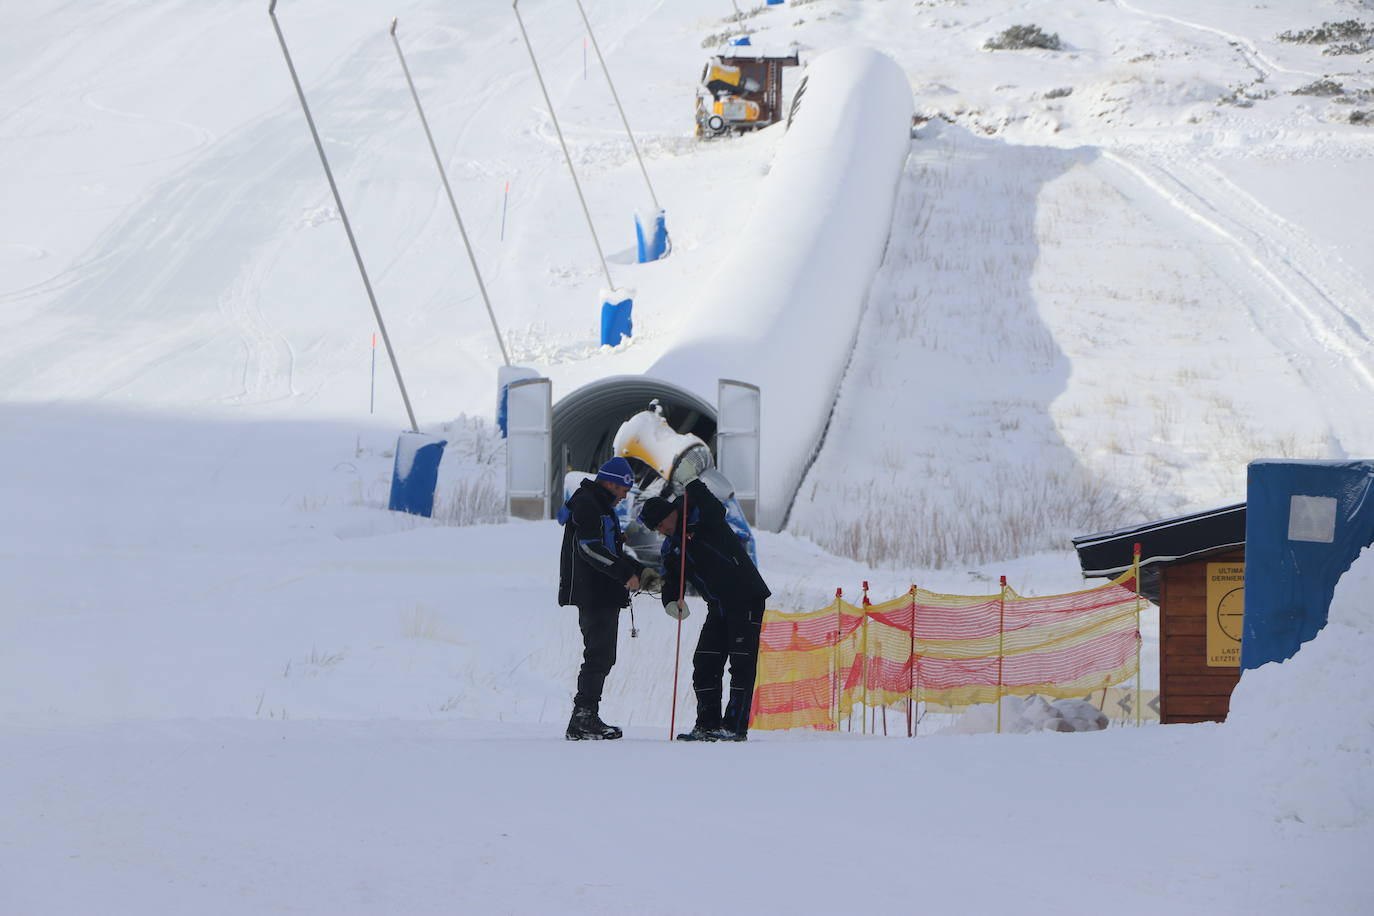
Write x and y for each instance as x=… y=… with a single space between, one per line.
x=955 y=650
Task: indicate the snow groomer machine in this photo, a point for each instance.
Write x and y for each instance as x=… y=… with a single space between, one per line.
x=665 y=461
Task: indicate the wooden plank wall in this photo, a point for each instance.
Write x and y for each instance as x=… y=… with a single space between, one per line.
x=1190 y=690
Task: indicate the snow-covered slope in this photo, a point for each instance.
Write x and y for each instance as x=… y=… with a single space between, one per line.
x=230 y=682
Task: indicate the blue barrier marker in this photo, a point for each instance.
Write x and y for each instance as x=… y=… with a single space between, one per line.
x=653 y=244
x=416 y=472
x=616 y=322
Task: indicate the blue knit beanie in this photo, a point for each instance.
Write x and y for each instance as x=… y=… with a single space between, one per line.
x=617 y=470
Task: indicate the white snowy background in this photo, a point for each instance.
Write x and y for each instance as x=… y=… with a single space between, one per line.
x=232 y=683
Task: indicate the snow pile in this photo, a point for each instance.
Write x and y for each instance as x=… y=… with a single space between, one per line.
x=1305 y=727
x=1022 y=715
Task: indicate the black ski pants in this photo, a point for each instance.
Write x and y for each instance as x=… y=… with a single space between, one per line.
x=729 y=633
x=600 y=626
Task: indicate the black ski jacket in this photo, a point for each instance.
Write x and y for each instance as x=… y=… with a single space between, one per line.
x=718 y=563
x=594 y=565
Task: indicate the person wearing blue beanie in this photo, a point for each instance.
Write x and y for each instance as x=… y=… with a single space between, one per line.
x=596 y=574
x=617 y=471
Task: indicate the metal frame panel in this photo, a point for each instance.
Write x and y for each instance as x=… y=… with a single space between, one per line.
x=738 y=418
x=529 y=447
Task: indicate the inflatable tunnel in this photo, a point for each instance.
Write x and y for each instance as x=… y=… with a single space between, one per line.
x=780 y=314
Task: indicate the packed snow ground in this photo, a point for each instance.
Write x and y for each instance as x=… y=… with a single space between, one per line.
x=230 y=682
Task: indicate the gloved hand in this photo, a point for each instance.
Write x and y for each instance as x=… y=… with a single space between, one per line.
x=651 y=580
x=676 y=610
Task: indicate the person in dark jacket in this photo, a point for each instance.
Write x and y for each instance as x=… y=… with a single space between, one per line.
x=719 y=568
x=596 y=574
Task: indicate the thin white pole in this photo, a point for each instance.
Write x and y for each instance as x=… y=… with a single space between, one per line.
x=343 y=216
x=615 y=95
x=443 y=176
x=515 y=5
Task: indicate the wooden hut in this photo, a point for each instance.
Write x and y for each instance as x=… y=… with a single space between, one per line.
x=1193 y=568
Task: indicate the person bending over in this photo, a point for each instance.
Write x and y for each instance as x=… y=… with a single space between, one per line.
x=719 y=567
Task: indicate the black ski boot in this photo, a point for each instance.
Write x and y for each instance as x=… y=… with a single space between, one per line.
x=586 y=725
x=725 y=733
x=735 y=726
x=708 y=722
x=700 y=732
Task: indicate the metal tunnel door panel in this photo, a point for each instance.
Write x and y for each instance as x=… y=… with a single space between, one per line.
x=529 y=443
x=737 y=441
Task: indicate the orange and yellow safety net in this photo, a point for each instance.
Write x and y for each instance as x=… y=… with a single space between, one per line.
x=956 y=650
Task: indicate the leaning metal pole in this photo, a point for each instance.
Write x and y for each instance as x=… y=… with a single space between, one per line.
x=615 y=95
x=343 y=216
x=443 y=176
x=515 y=5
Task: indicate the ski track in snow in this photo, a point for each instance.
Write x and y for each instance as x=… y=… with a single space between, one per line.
x=204 y=137
x=268 y=358
x=1280 y=256
x=1246 y=46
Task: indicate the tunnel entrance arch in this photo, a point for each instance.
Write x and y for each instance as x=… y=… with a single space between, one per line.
x=585 y=421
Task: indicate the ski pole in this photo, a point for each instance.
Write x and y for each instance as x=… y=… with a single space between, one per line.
x=615 y=95
x=567 y=157
x=453 y=204
x=681 y=594
x=505 y=201
x=343 y=216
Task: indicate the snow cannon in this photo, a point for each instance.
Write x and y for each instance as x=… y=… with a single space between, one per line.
x=676 y=458
x=740 y=89
x=668 y=461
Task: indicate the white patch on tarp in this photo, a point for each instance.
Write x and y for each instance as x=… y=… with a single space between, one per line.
x=1312 y=518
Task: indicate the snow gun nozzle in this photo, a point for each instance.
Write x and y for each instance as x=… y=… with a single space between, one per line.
x=394 y=20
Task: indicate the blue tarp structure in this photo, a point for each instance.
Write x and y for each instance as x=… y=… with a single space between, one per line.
x=617 y=321
x=1306 y=522
x=416 y=473
x=651 y=236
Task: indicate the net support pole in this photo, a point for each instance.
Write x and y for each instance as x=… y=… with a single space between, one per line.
x=835 y=657
x=343 y=216
x=1139 y=696
x=618 y=107
x=1001 y=646
x=868 y=712
x=911 y=674
x=539 y=76
x=453 y=204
